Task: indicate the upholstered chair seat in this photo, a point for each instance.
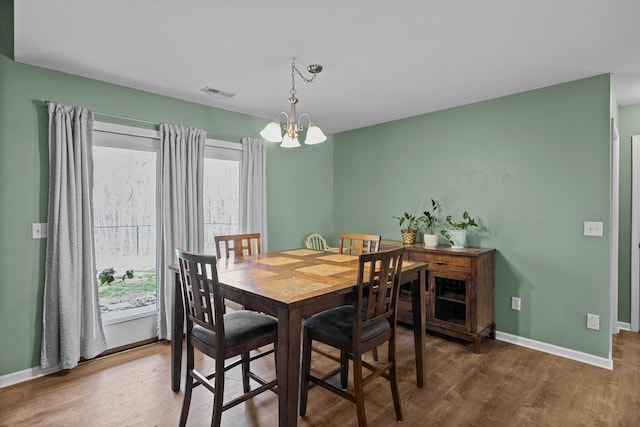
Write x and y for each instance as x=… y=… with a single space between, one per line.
x=239 y=327
x=335 y=327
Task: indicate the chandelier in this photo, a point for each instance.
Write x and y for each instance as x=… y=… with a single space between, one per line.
x=293 y=125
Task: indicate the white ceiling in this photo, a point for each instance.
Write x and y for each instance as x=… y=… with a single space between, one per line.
x=383 y=60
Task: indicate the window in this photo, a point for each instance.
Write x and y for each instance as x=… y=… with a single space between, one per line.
x=221 y=191
x=125 y=196
x=126 y=217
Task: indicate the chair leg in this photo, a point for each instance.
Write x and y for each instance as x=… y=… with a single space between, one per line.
x=218 y=395
x=188 y=386
x=245 y=372
x=359 y=390
x=304 y=371
x=374 y=353
x=275 y=358
x=393 y=380
x=344 y=369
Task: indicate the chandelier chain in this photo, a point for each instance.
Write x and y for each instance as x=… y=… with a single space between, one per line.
x=294 y=70
x=293 y=80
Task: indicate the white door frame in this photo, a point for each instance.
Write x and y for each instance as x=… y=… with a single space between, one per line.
x=614 y=230
x=635 y=233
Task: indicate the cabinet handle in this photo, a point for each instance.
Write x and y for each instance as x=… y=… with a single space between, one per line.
x=440 y=262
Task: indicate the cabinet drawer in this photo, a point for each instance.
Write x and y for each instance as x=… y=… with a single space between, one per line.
x=405 y=308
x=448 y=263
x=405 y=315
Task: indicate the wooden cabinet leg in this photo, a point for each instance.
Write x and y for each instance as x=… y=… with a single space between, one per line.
x=475 y=341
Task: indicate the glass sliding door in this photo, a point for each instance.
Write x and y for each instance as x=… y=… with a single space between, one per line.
x=127 y=217
x=126 y=213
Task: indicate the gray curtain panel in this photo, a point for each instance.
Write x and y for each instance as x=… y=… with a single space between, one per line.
x=253 y=189
x=182 y=160
x=72 y=325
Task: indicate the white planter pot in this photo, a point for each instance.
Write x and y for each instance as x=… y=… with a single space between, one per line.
x=431 y=240
x=458 y=237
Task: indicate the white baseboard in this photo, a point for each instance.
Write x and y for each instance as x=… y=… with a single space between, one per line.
x=624 y=326
x=601 y=362
x=26 y=375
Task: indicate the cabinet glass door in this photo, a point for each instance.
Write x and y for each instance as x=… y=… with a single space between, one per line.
x=449 y=303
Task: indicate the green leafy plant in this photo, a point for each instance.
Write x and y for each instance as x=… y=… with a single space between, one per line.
x=143 y=284
x=466 y=223
x=106 y=276
x=429 y=218
x=409 y=221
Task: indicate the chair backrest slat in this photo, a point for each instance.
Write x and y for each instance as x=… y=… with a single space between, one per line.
x=356 y=244
x=202 y=301
x=378 y=286
x=316 y=241
x=237 y=245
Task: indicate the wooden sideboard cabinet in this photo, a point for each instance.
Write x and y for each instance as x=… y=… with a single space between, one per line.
x=459 y=294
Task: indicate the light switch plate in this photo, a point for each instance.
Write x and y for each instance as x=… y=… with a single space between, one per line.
x=593 y=228
x=593 y=321
x=39 y=231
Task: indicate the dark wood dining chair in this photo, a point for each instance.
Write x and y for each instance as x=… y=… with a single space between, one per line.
x=356 y=244
x=356 y=329
x=237 y=245
x=219 y=336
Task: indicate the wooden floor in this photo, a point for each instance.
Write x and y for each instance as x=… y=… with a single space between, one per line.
x=505 y=385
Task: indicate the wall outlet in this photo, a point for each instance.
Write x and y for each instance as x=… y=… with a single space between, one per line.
x=515 y=303
x=593 y=321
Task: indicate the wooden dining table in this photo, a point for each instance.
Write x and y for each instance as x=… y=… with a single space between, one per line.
x=292 y=285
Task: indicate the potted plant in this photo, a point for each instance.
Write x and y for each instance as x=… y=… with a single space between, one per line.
x=456 y=232
x=430 y=221
x=409 y=224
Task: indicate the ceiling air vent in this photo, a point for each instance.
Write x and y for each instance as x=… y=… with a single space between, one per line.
x=218 y=94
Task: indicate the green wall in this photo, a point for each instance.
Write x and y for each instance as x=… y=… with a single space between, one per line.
x=299 y=181
x=628 y=125
x=300 y=199
x=530 y=168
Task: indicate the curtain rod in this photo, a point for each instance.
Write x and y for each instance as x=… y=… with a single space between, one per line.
x=209 y=133
x=47 y=102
